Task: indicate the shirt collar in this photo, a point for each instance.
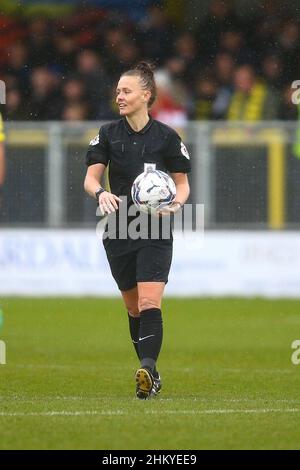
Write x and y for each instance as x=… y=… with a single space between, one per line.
x=142 y=131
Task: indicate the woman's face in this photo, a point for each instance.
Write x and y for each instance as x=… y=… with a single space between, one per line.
x=131 y=98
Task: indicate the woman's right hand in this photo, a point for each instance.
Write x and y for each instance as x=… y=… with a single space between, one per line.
x=108 y=202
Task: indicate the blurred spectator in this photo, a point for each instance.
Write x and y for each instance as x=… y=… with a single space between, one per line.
x=224 y=68
x=65 y=52
x=74 y=96
x=16 y=109
x=113 y=37
x=156 y=30
x=205 y=95
x=10 y=81
x=41 y=47
x=251 y=100
x=263 y=28
x=127 y=55
x=175 y=68
x=221 y=17
x=288 y=46
x=75 y=111
x=45 y=100
x=18 y=64
x=186 y=49
x=223 y=71
x=166 y=107
x=91 y=70
x=288 y=110
x=216 y=98
x=74 y=90
x=233 y=42
x=272 y=71
x=12 y=30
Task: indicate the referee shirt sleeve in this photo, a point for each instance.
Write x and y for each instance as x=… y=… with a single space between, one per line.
x=177 y=159
x=98 y=151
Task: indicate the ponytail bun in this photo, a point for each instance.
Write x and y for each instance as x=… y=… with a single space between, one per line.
x=145 y=67
x=145 y=70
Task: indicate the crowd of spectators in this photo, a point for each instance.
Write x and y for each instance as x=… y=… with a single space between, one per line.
x=226 y=68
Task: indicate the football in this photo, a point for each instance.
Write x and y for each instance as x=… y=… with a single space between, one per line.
x=153 y=190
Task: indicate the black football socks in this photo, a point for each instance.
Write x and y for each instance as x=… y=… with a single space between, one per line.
x=134 y=328
x=150 y=338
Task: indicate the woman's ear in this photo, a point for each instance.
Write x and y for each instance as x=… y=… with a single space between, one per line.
x=146 y=96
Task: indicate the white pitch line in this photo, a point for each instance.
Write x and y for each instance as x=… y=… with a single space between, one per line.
x=104 y=398
x=289 y=370
x=229 y=411
x=62 y=413
x=150 y=412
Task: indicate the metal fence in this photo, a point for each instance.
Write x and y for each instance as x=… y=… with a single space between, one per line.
x=246 y=175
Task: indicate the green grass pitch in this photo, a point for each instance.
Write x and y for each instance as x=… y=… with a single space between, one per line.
x=228 y=379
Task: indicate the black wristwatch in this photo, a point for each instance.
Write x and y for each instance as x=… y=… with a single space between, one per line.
x=98 y=192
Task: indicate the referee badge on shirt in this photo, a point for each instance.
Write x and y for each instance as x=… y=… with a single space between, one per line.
x=95 y=140
x=184 y=151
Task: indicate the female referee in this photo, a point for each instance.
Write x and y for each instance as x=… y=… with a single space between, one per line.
x=139 y=266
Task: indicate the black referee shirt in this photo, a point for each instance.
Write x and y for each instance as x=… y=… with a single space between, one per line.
x=126 y=152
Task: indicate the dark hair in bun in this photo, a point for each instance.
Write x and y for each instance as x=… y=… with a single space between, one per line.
x=144 y=70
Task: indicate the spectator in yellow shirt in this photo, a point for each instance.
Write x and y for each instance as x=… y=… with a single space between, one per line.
x=252 y=99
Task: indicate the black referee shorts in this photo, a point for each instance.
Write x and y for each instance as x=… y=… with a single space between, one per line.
x=149 y=263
